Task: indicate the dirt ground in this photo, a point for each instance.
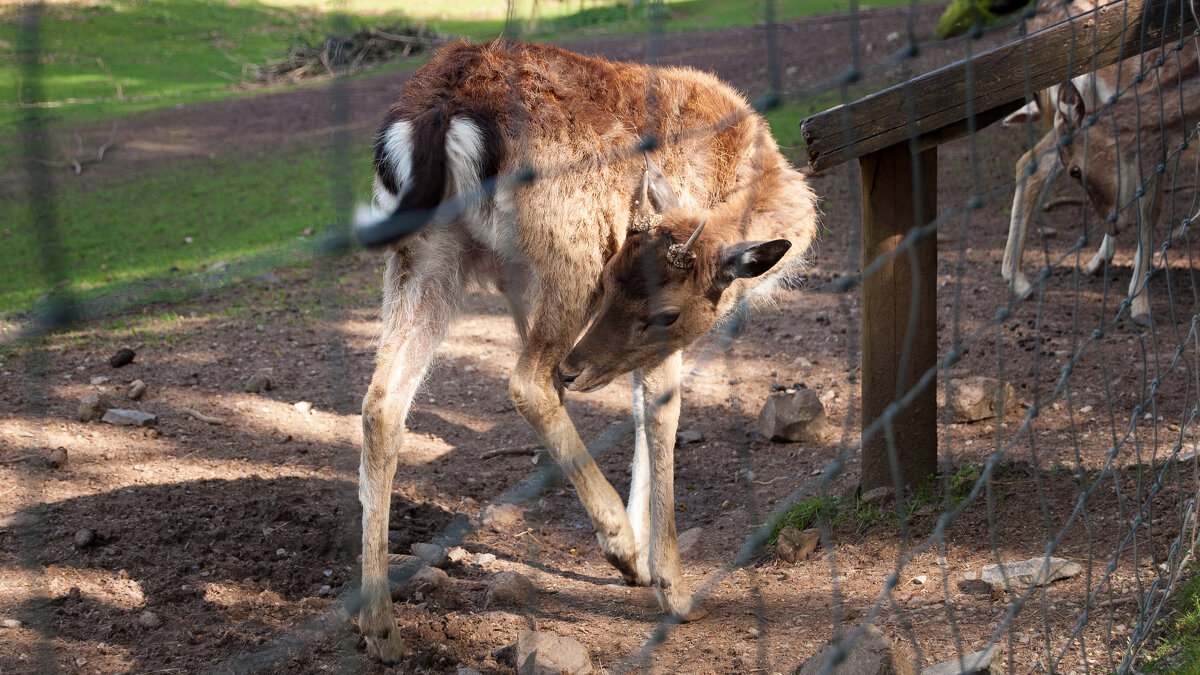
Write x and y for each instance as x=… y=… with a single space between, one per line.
x=239 y=536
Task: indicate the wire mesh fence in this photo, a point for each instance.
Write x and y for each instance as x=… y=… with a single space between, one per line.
x=1076 y=454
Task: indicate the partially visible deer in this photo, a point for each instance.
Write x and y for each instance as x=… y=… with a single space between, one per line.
x=1124 y=154
x=1039 y=166
x=654 y=250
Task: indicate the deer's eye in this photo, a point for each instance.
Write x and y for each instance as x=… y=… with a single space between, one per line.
x=1076 y=173
x=665 y=319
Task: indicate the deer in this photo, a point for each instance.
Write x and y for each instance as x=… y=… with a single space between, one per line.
x=1038 y=167
x=1121 y=153
x=611 y=266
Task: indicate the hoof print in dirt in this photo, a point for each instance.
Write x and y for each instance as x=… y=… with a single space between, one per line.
x=793 y=415
x=502 y=517
x=1019 y=576
x=986 y=662
x=871 y=654
x=543 y=654
x=92 y=407
x=509 y=589
x=796 y=546
x=973 y=399
x=123 y=357
x=129 y=418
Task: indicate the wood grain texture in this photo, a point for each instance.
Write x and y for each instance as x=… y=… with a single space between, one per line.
x=1001 y=77
x=896 y=197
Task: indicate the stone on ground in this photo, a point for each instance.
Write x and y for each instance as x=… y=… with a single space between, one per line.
x=123 y=357
x=871 y=654
x=57 y=458
x=689 y=538
x=92 y=407
x=458 y=554
x=256 y=383
x=686 y=436
x=129 y=418
x=795 y=546
x=986 y=662
x=544 y=654
x=137 y=389
x=793 y=415
x=973 y=399
x=432 y=554
x=424 y=580
x=149 y=619
x=502 y=517
x=1019 y=576
x=509 y=589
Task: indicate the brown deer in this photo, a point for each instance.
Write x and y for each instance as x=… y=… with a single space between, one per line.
x=1039 y=166
x=654 y=250
x=1125 y=153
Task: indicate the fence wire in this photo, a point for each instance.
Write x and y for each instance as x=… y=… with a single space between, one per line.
x=1133 y=490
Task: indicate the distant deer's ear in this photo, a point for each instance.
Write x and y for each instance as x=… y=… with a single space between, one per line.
x=658 y=190
x=1070 y=106
x=750 y=259
x=1026 y=114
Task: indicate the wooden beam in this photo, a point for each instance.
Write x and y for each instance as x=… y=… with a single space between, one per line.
x=995 y=78
x=899 y=194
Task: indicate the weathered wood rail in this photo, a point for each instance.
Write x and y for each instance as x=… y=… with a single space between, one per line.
x=895 y=134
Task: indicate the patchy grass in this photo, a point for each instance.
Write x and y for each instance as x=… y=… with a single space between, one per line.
x=1178 y=649
x=177 y=222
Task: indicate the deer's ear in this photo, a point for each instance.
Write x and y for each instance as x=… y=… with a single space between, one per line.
x=750 y=259
x=1027 y=114
x=1069 y=106
x=657 y=189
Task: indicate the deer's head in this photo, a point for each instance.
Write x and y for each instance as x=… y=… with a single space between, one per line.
x=667 y=285
x=1093 y=155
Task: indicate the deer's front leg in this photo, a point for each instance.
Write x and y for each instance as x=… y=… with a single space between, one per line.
x=661 y=391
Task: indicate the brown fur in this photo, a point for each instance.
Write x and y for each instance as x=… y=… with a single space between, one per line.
x=575 y=122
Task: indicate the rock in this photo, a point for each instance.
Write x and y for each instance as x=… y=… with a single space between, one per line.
x=979 y=663
x=123 y=357
x=795 y=546
x=457 y=554
x=129 y=418
x=544 y=654
x=979 y=398
x=98 y=380
x=12 y=623
x=431 y=554
x=920 y=580
x=219 y=266
x=303 y=407
x=509 y=589
x=879 y=496
x=149 y=619
x=324 y=590
x=92 y=407
x=307 y=232
x=688 y=539
x=502 y=517
x=975 y=587
x=485 y=559
x=462 y=670
x=257 y=383
x=57 y=458
x=85 y=538
x=871 y=654
x=1018 y=576
x=267 y=279
x=688 y=436
x=424 y=580
x=137 y=389
x=793 y=415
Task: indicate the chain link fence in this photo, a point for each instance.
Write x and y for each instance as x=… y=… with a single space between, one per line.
x=1084 y=462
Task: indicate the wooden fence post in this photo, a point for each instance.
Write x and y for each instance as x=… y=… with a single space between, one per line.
x=898 y=194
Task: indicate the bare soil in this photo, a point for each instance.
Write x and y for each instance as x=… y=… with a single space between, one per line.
x=229 y=533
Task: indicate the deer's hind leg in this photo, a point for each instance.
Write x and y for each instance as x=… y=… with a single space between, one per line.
x=421 y=294
x=554 y=319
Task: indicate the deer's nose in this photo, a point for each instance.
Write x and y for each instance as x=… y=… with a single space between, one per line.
x=567 y=377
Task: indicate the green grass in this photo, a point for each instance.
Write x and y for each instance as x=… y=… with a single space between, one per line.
x=230 y=207
x=1178 y=649
x=107 y=58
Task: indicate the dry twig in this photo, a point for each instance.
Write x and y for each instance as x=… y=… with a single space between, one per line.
x=530 y=449
x=202 y=417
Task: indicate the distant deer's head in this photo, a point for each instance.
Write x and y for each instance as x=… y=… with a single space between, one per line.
x=1102 y=160
x=664 y=288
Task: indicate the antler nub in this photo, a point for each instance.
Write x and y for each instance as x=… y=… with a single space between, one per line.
x=681 y=255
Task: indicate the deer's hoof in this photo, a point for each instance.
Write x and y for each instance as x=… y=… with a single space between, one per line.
x=387 y=647
x=695 y=614
x=1142 y=320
